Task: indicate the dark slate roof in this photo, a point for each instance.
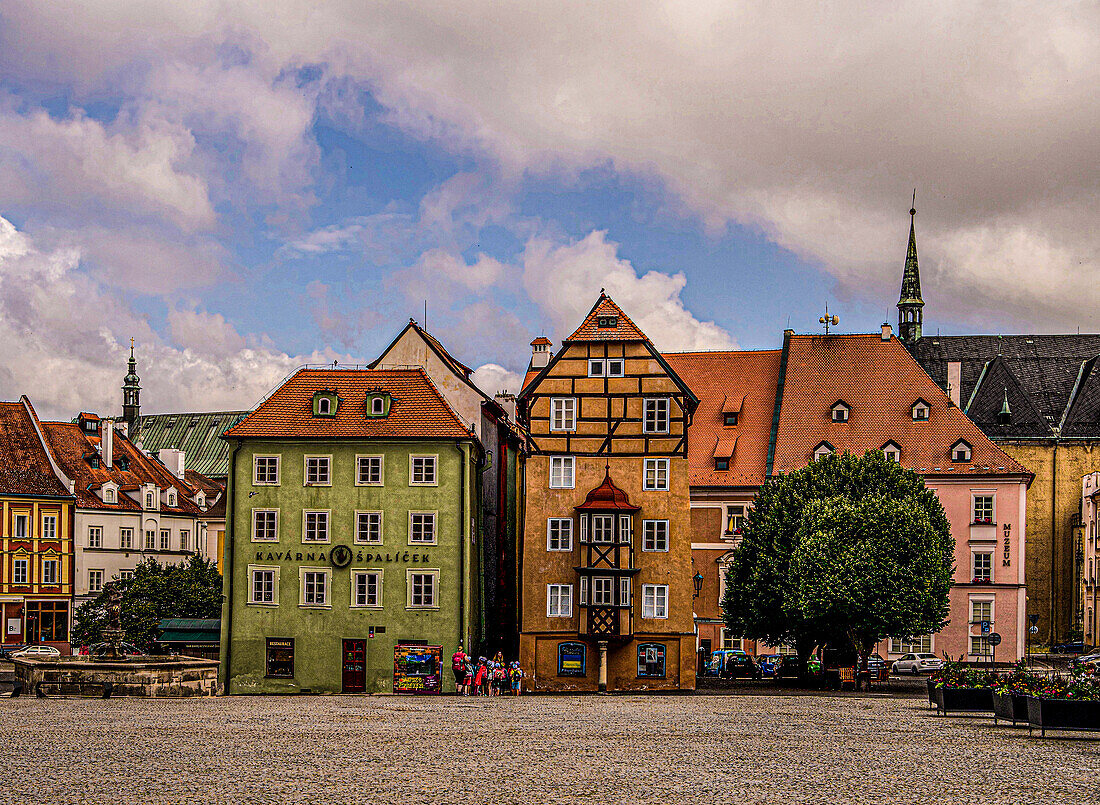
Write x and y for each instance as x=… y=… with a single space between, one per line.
x=196 y=434
x=1041 y=374
x=910 y=279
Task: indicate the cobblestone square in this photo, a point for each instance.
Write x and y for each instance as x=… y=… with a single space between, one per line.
x=616 y=749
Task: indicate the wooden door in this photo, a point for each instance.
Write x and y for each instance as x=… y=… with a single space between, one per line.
x=355 y=666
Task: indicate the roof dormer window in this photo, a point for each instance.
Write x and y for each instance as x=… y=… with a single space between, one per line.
x=109 y=495
x=150 y=500
x=171 y=497
x=822 y=450
x=378 y=404
x=721 y=464
x=840 y=411
x=122 y=463
x=892 y=451
x=729 y=419
x=961 y=451
x=607 y=322
x=325 y=403
x=920 y=411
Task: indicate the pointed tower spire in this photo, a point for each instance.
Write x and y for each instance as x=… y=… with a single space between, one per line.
x=1004 y=416
x=910 y=304
x=131 y=398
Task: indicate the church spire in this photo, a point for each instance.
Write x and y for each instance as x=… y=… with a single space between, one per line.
x=131 y=398
x=910 y=315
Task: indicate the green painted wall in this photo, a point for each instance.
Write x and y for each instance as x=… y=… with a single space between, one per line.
x=318 y=633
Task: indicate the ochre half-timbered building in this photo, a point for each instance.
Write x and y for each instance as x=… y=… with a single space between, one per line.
x=606 y=550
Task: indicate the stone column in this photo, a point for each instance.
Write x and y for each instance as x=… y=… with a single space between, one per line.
x=602 y=685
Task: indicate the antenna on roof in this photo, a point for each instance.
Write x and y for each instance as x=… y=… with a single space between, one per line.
x=425 y=314
x=827 y=319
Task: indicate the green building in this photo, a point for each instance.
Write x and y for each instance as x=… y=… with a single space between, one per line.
x=351 y=546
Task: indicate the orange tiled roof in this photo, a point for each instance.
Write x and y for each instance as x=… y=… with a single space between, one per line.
x=24 y=466
x=624 y=329
x=418 y=410
x=880 y=381
x=714 y=377
x=71 y=447
x=542 y=341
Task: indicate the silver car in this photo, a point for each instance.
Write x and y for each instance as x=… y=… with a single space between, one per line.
x=37 y=653
x=916 y=664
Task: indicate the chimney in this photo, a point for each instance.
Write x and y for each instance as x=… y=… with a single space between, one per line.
x=540 y=352
x=507 y=401
x=954 y=382
x=172 y=459
x=887 y=331
x=107 y=442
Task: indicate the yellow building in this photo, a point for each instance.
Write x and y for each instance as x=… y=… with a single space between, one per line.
x=606 y=547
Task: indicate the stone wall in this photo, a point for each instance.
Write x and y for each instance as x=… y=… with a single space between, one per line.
x=156 y=678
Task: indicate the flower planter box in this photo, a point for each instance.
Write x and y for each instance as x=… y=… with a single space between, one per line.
x=931 y=693
x=1062 y=714
x=963 y=700
x=1010 y=707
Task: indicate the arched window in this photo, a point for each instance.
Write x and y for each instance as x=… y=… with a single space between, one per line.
x=148 y=500
x=324 y=405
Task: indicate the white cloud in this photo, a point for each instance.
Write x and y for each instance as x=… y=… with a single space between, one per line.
x=64 y=340
x=492 y=378
x=565 y=280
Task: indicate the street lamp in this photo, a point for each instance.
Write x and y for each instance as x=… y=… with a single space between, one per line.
x=697 y=580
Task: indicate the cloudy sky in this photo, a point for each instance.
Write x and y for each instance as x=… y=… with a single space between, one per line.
x=243 y=190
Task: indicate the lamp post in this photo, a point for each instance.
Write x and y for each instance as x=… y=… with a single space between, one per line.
x=697 y=580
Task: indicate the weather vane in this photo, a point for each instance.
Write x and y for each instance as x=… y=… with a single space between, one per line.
x=827 y=319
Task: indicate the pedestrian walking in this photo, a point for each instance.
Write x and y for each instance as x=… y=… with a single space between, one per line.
x=458 y=667
x=515 y=675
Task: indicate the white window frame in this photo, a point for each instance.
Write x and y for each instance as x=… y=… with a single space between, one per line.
x=49 y=533
x=324 y=406
x=562 y=595
x=582 y=594
x=255 y=537
x=892 y=452
x=23 y=520
x=961 y=446
x=564 y=462
x=357 y=539
x=100 y=575
x=597 y=364
x=410 y=573
x=95 y=536
x=992 y=507
x=185 y=539
x=917 y=408
x=985 y=601
x=431 y=460
x=365 y=573
x=607 y=367
x=323 y=572
x=256 y=469
x=662 y=423
x=624 y=591
x=435 y=527
x=651 y=529
x=274 y=571
x=126 y=539
x=655 y=601
x=170 y=497
x=126 y=573
x=361 y=460
x=843 y=410
x=974 y=554
x=598 y=522
x=908 y=645
x=626 y=529
x=655 y=475
x=327 y=464
x=559 y=534
x=603 y=591
x=822 y=450
x=165 y=539
x=54 y=566
x=563 y=414
x=979 y=640
x=328 y=526
x=149 y=537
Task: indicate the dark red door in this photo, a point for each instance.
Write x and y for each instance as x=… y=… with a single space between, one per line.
x=355 y=666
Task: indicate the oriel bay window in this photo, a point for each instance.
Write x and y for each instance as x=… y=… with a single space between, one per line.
x=602 y=587
x=603 y=528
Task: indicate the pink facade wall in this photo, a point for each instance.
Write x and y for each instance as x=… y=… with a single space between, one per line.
x=1004 y=539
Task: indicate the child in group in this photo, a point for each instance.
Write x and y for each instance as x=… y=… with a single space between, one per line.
x=500 y=678
x=468 y=685
x=516 y=678
x=480 y=681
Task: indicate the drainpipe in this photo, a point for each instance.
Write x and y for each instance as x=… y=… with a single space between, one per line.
x=227 y=577
x=464 y=555
x=1053 y=538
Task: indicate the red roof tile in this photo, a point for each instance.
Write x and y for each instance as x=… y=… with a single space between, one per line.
x=418 y=410
x=880 y=381
x=714 y=377
x=607 y=497
x=71 y=448
x=624 y=329
x=24 y=466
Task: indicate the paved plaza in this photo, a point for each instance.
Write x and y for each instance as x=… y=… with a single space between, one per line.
x=615 y=749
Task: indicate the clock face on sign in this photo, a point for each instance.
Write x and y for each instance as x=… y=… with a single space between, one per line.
x=340 y=556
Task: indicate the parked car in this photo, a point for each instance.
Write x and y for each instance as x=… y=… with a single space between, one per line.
x=36 y=653
x=1090 y=660
x=769 y=664
x=916 y=664
x=7 y=651
x=875 y=663
x=731 y=663
x=1077 y=647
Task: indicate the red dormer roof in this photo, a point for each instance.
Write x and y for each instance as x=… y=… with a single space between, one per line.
x=607 y=497
x=542 y=341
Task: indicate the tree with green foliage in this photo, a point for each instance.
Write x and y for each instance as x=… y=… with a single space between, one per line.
x=769 y=596
x=154 y=592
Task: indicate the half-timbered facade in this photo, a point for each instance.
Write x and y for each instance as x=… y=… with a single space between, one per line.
x=606 y=575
